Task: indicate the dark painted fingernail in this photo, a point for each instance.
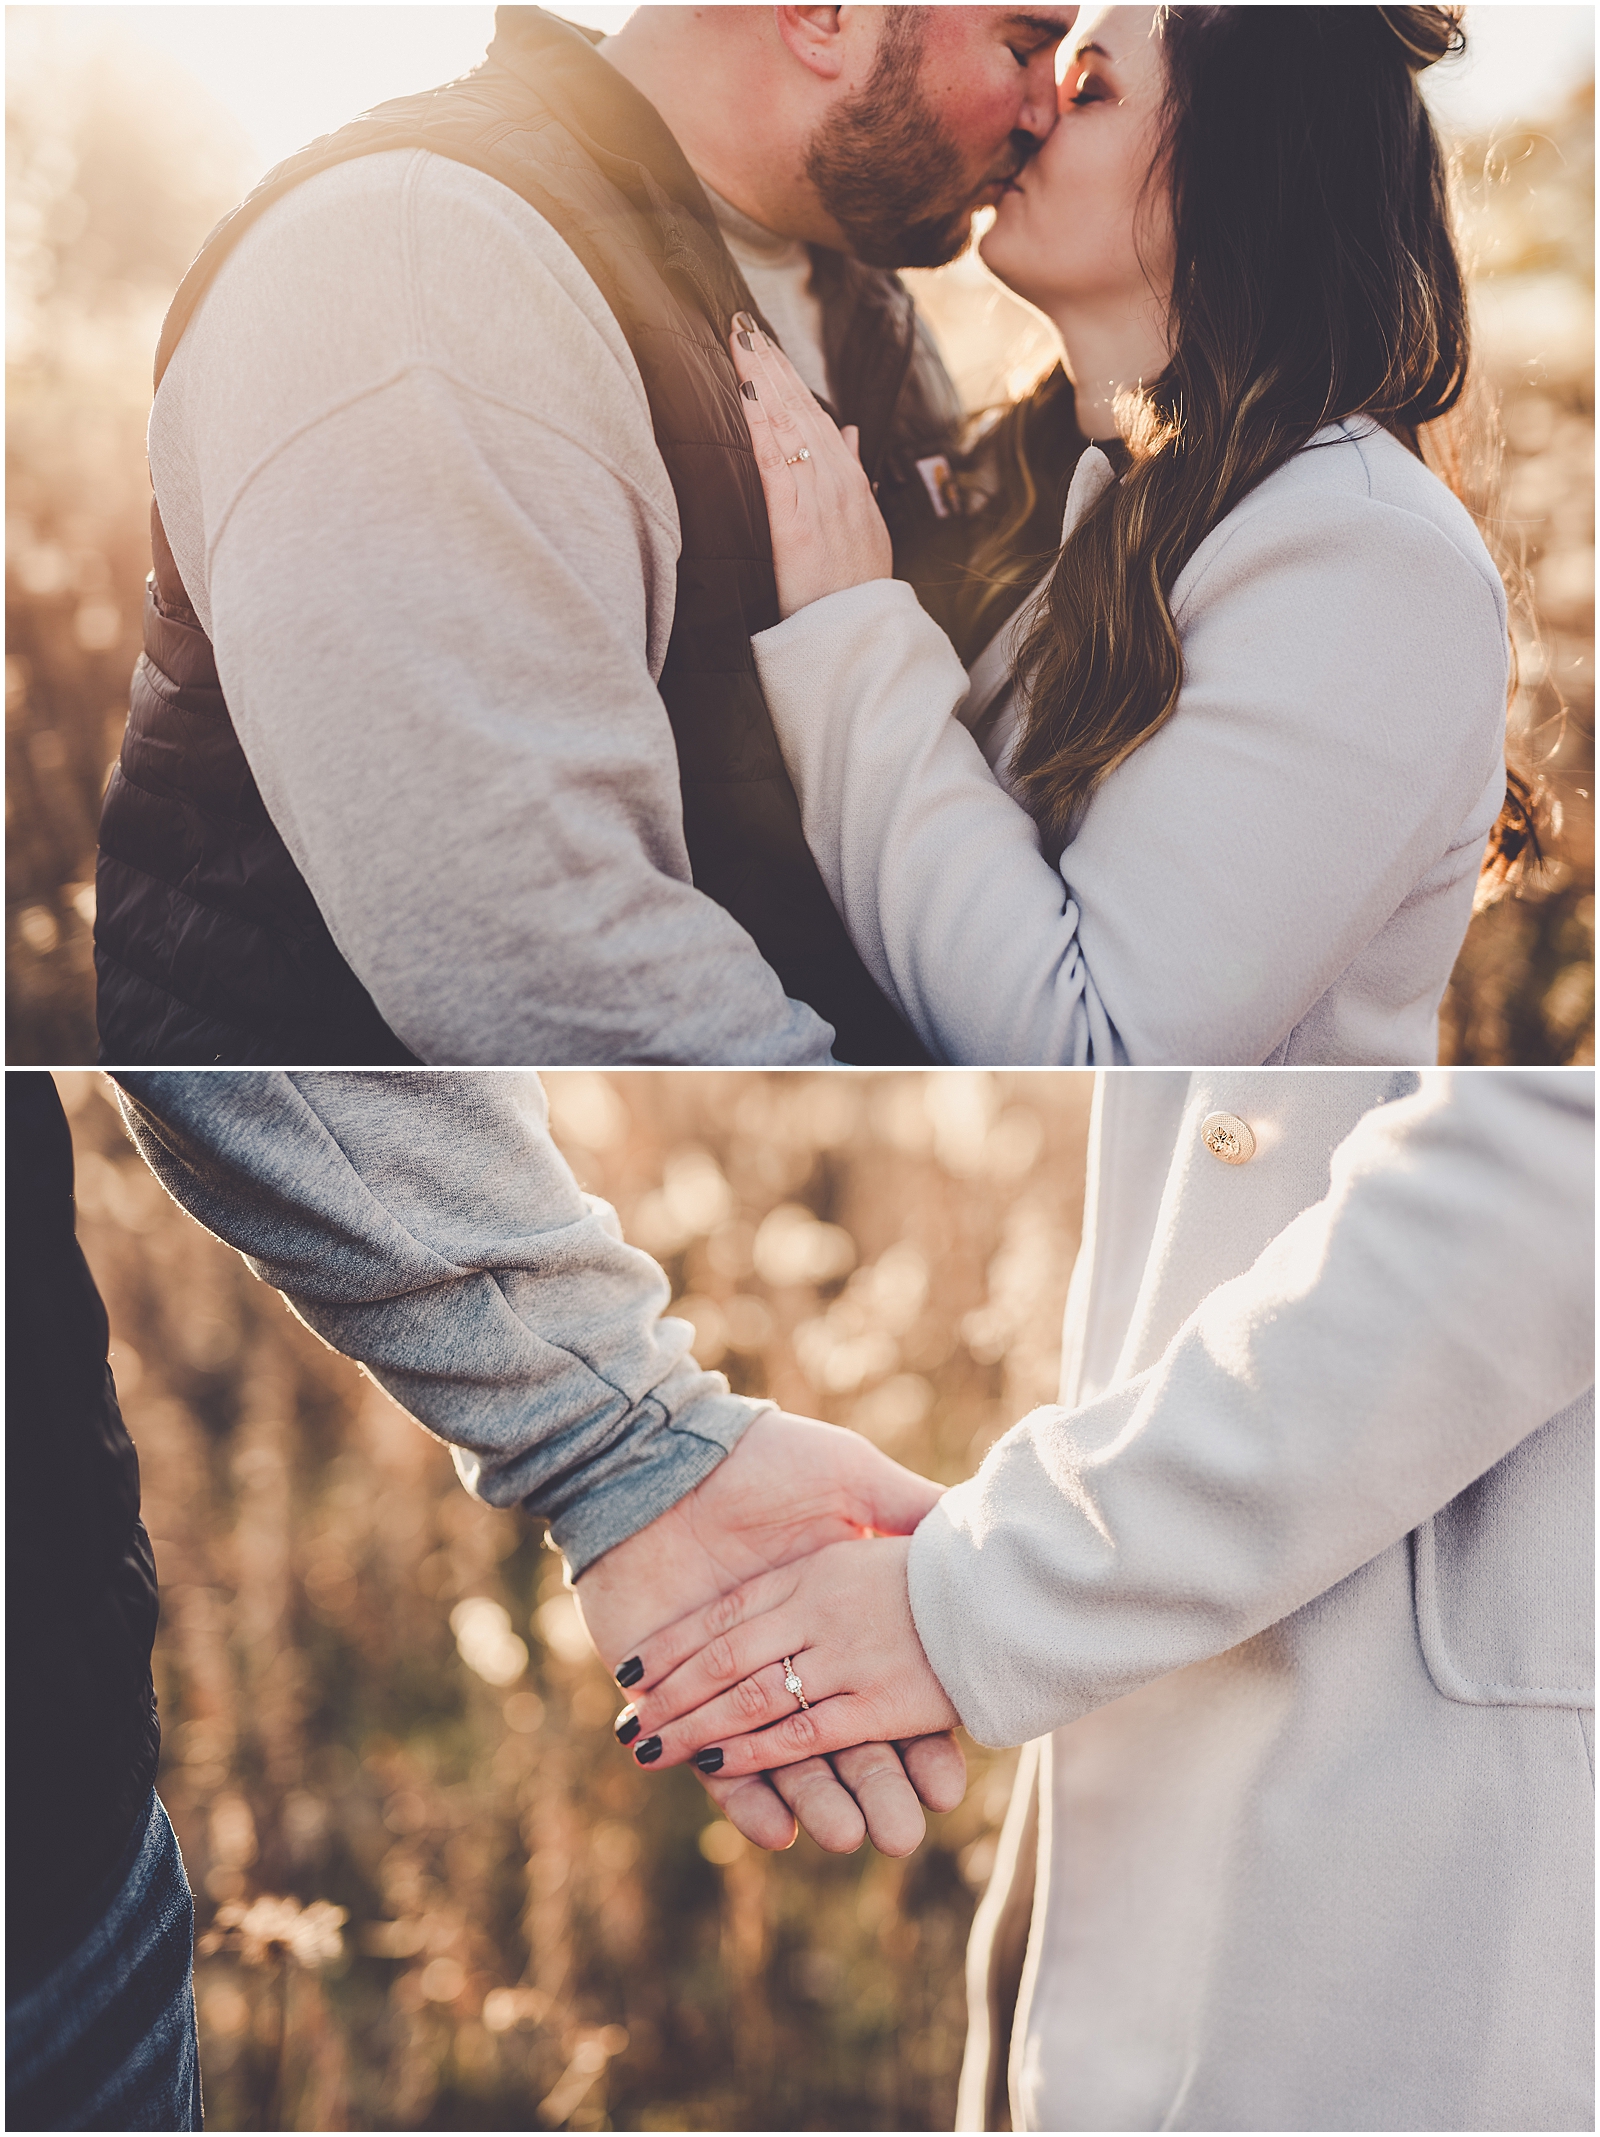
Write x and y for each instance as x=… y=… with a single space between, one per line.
x=649 y=1751
x=626 y=1726
x=748 y=389
x=709 y=1761
x=745 y=341
x=745 y=324
x=630 y=1673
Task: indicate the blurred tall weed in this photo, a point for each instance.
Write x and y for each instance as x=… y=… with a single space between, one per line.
x=114 y=174
x=1523 y=989
x=117 y=167
x=433 y=1893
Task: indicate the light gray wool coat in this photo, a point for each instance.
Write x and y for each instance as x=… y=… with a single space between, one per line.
x=1282 y=874
x=1294 y=1599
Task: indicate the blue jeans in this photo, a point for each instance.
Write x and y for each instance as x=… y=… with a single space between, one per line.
x=106 y=2041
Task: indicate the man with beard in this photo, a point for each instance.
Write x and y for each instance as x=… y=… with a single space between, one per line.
x=447 y=744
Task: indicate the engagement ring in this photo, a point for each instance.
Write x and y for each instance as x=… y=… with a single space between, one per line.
x=791 y=1682
x=795 y=459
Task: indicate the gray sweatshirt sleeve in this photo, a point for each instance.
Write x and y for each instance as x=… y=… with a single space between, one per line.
x=1390 y=1346
x=404 y=458
x=426 y=1224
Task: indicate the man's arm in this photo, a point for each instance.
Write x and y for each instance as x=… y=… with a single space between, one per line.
x=405 y=461
x=426 y=1224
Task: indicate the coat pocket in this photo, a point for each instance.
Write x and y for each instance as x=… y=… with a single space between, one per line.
x=1504 y=1575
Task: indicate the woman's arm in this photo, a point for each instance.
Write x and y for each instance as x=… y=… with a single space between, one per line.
x=1341 y=716
x=936 y=872
x=1391 y=1345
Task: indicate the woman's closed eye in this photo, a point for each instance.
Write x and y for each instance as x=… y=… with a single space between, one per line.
x=1091 y=89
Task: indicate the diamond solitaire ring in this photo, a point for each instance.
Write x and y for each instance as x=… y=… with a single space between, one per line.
x=792 y=1684
x=795 y=459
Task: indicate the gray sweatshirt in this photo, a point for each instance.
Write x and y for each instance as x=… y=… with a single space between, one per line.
x=405 y=462
x=427 y=1225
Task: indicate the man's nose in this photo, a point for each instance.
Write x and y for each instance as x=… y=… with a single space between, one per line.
x=1039 y=98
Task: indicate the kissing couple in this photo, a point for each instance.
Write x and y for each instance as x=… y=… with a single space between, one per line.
x=584 y=629
x=1288 y=1602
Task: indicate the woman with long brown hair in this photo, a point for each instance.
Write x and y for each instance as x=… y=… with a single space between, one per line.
x=1223 y=786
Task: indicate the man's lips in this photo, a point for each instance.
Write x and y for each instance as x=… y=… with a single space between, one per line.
x=996 y=188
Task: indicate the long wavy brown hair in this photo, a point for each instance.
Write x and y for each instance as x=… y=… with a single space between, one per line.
x=1317 y=280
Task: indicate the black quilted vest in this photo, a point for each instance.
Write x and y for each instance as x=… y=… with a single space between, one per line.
x=80 y=1575
x=209 y=946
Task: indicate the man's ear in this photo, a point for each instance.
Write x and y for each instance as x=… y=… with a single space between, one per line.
x=815 y=36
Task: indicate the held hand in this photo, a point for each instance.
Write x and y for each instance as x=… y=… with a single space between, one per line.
x=790 y=1486
x=713 y=1688
x=827 y=532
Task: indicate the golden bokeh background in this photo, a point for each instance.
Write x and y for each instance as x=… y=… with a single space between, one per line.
x=432 y=1892
x=118 y=162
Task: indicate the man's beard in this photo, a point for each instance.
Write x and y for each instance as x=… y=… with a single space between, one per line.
x=882 y=163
